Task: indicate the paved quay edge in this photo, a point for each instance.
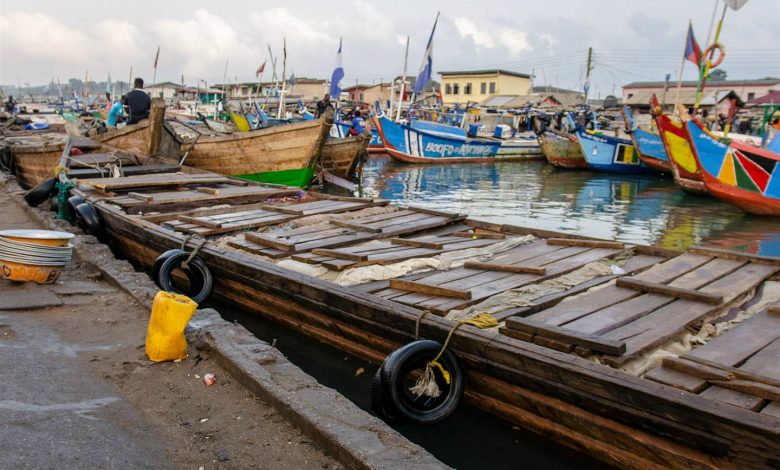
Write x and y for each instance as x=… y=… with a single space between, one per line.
x=354 y=437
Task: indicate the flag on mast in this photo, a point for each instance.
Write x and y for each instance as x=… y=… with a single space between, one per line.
x=260 y=70
x=427 y=65
x=692 y=49
x=735 y=4
x=335 y=78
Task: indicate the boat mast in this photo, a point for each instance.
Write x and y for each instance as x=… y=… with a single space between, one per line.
x=402 y=90
x=588 y=69
x=284 y=77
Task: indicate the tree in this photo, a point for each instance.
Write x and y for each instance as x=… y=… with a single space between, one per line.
x=718 y=75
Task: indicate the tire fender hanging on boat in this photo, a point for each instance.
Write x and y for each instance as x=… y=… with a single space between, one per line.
x=199 y=276
x=40 y=193
x=88 y=219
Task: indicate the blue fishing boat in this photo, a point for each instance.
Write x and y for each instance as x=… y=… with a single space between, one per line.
x=610 y=154
x=428 y=145
x=649 y=145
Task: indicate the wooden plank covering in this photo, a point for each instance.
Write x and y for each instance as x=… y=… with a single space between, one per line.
x=414 y=286
x=152 y=180
x=596 y=343
x=588 y=243
x=730 y=254
x=507 y=268
x=671 y=291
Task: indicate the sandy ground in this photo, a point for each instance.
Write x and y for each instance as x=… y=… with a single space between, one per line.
x=77 y=390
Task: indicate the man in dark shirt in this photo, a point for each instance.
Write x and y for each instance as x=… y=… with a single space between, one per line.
x=324 y=104
x=138 y=102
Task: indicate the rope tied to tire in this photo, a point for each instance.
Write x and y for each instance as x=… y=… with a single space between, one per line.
x=426 y=383
x=186 y=263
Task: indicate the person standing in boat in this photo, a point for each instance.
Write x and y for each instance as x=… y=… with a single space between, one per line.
x=323 y=105
x=139 y=102
x=358 y=123
x=116 y=112
x=10 y=105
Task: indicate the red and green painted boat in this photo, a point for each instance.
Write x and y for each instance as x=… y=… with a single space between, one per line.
x=684 y=167
x=741 y=174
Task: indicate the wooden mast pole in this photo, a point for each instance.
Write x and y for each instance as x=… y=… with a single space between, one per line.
x=402 y=90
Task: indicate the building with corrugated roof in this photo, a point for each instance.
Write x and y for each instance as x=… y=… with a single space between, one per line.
x=638 y=93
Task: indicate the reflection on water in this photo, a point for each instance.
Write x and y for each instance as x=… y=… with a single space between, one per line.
x=635 y=209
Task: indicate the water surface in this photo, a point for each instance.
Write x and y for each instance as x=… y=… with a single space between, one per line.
x=649 y=210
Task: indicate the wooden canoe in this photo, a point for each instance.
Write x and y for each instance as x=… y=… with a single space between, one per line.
x=562 y=150
x=342 y=157
x=279 y=148
x=530 y=371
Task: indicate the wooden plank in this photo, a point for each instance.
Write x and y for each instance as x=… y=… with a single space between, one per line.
x=734 y=255
x=425 y=210
x=141 y=196
x=507 y=268
x=339 y=254
x=696 y=370
x=269 y=241
x=171 y=179
x=755 y=389
x=353 y=226
x=676 y=379
x=586 y=243
x=772 y=409
x=596 y=343
x=200 y=221
x=739 y=343
x=414 y=286
x=493 y=236
x=671 y=291
x=212 y=191
x=773 y=309
x=417 y=243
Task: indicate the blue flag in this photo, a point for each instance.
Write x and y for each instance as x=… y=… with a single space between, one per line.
x=427 y=65
x=338 y=74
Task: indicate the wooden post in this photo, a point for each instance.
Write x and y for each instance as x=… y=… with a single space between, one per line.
x=156 y=120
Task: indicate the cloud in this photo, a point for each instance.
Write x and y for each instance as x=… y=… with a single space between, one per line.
x=200 y=45
x=514 y=40
x=36 y=35
x=467 y=28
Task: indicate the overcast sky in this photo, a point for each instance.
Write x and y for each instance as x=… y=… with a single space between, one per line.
x=632 y=39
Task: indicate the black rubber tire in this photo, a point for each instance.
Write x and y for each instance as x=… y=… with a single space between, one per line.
x=88 y=218
x=399 y=403
x=74 y=202
x=201 y=290
x=6 y=160
x=160 y=260
x=378 y=398
x=40 y=193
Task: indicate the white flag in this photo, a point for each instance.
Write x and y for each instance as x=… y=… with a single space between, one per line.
x=735 y=4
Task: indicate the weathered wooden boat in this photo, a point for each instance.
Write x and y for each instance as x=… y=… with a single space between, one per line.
x=342 y=157
x=610 y=154
x=285 y=154
x=740 y=174
x=564 y=364
x=133 y=138
x=413 y=145
x=648 y=144
x=35 y=156
x=685 y=170
x=561 y=150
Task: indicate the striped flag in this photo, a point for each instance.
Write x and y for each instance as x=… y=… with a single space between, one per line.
x=692 y=49
x=338 y=74
x=427 y=65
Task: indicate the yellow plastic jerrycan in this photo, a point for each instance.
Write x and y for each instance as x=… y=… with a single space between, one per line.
x=165 y=337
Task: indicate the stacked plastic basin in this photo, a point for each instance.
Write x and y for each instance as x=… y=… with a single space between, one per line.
x=34 y=255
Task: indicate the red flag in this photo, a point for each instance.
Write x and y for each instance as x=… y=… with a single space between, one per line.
x=260 y=70
x=692 y=49
x=157 y=57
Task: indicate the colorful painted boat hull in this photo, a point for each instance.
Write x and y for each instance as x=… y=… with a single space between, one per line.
x=740 y=174
x=562 y=150
x=651 y=150
x=406 y=144
x=685 y=170
x=610 y=154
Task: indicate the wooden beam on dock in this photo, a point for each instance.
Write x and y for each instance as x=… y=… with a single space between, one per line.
x=730 y=254
x=506 y=268
x=671 y=291
x=596 y=343
x=421 y=288
x=586 y=243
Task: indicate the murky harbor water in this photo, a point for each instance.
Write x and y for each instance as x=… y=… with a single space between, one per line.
x=635 y=209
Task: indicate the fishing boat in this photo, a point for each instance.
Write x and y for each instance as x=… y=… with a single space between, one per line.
x=342 y=157
x=557 y=365
x=284 y=154
x=561 y=149
x=610 y=154
x=685 y=170
x=408 y=144
x=648 y=144
x=131 y=137
x=743 y=175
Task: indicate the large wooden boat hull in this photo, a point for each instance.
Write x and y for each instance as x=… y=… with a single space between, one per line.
x=133 y=137
x=651 y=150
x=257 y=155
x=342 y=156
x=743 y=175
x=562 y=150
x=410 y=145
